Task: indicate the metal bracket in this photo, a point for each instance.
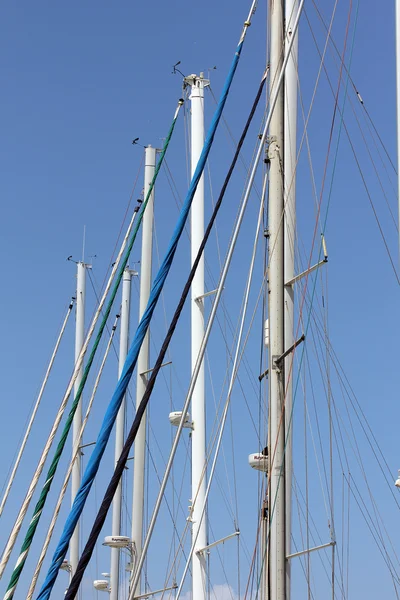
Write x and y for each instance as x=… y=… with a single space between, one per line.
x=277 y=361
x=310 y=550
x=132 y=272
x=87 y=445
x=313 y=268
x=199 y=298
x=148 y=594
x=289 y=350
x=191 y=80
x=221 y=541
x=150 y=370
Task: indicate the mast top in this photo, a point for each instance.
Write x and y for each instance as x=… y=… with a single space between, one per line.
x=195 y=80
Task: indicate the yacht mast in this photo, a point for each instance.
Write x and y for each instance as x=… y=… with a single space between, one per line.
x=77 y=422
x=277 y=521
x=120 y=429
x=143 y=362
x=199 y=530
x=290 y=129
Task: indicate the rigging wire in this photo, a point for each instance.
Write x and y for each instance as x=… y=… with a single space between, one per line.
x=374 y=165
x=35 y=409
x=224 y=326
x=332 y=435
x=355 y=89
x=348 y=540
x=76 y=449
x=351 y=436
x=361 y=505
x=227 y=319
x=235 y=367
x=227 y=405
x=377 y=514
x=175 y=193
x=169 y=385
x=306 y=500
x=357 y=408
x=234 y=142
x=327 y=394
x=310 y=256
x=124 y=218
x=363 y=181
x=316 y=539
x=307 y=557
x=358 y=455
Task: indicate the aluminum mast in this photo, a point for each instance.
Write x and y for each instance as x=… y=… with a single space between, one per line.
x=276 y=570
x=120 y=429
x=199 y=529
x=143 y=362
x=77 y=422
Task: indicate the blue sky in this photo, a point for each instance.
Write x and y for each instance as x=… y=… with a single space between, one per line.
x=80 y=81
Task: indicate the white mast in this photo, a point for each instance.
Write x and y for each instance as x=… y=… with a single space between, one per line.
x=120 y=429
x=277 y=542
x=77 y=422
x=199 y=530
x=290 y=129
x=143 y=360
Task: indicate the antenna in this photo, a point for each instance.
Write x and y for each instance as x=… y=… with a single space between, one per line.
x=135 y=142
x=175 y=70
x=211 y=69
x=83 y=243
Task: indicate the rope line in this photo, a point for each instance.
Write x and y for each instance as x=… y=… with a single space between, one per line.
x=78 y=365
x=53 y=467
x=36 y=407
x=76 y=449
x=364 y=184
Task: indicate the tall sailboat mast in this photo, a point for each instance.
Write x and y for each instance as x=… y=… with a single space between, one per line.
x=120 y=429
x=277 y=522
x=199 y=529
x=289 y=153
x=77 y=422
x=143 y=361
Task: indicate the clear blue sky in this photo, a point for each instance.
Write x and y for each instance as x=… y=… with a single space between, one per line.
x=79 y=82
